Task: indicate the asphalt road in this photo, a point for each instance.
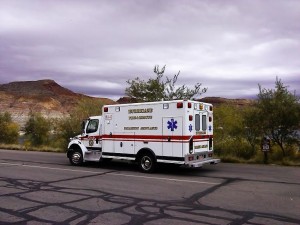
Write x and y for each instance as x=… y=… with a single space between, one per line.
x=42 y=188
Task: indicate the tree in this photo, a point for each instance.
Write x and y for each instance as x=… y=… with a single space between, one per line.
x=9 y=130
x=37 y=128
x=251 y=123
x=279 y=113
x=159 y=88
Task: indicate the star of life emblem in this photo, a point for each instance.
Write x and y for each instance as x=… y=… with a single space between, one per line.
x=172 y=124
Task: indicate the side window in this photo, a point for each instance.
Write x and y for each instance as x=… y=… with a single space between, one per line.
x=204 y=124
x=197 y=122
x=92 y=126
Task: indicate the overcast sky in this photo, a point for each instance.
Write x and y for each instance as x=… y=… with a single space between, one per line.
x=94 y=46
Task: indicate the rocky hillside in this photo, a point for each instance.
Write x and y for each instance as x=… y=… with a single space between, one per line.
x=43 y=96
x=216 y=101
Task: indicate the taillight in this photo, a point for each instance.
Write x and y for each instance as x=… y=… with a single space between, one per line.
x=105 y=109
x=190 y=118
x=210 y=119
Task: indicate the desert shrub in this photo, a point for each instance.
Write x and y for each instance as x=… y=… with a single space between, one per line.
x=234 y=147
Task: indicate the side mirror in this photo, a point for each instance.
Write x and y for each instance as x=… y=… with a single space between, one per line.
x=83 y=126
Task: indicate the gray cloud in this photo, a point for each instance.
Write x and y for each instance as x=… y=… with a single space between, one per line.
x=95 y=46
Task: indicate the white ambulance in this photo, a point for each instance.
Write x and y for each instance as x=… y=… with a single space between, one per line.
x=178 y=132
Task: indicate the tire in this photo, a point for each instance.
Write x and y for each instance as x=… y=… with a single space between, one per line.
x=76 y=158
x=147 y=163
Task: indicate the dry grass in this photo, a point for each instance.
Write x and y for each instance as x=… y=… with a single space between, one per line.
x=259 y=159
x=30 y=148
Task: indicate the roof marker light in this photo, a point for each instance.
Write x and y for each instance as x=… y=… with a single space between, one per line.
x=179 y=105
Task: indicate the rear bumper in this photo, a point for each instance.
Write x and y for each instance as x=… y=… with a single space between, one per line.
x=202 y=162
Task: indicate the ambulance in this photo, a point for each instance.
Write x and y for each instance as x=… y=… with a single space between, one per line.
x=177 y=132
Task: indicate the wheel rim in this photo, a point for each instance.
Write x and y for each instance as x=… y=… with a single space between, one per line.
x=76 y=158
x=146 y=163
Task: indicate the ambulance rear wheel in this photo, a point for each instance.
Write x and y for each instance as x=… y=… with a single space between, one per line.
x=147 y=163
x=76 y=158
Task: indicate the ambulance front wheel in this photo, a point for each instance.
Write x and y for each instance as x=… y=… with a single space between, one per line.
x=76 y=158
x=147 y=163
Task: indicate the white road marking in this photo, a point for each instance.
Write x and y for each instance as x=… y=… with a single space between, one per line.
x=166 y=179
x=112 y=174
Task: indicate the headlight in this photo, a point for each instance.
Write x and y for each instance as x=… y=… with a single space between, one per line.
x=73 y=138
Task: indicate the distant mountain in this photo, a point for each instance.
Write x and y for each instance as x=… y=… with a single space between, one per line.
x=43 y=96
x=36 y=88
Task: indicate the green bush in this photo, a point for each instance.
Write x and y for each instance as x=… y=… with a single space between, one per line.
x=37 y=129
x=9 y=130
x=65 y=128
